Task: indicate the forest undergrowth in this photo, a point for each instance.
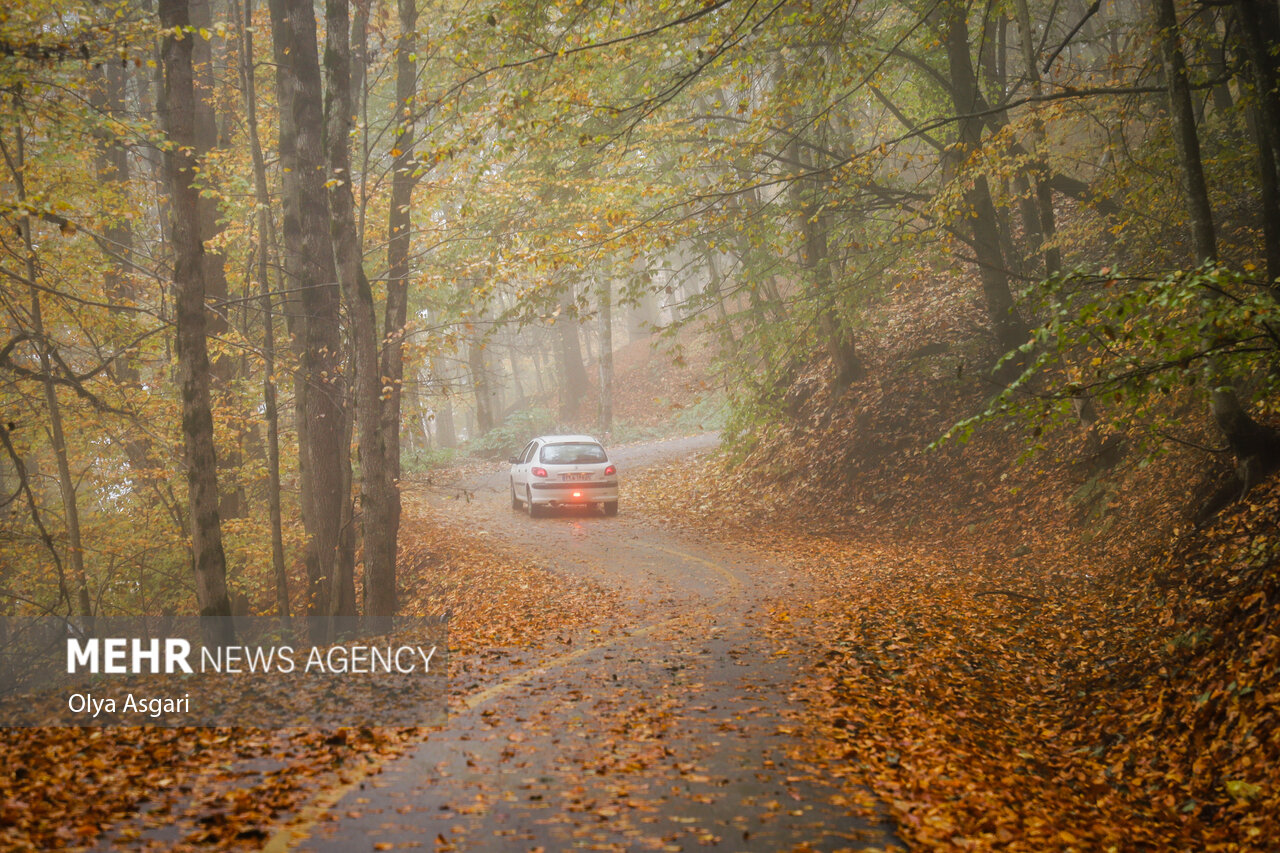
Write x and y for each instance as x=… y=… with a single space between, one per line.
x=1045 y=655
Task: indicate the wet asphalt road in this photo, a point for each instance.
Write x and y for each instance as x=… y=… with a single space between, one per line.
x=676 y=733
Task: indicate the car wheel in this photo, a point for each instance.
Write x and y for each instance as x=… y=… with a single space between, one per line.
x=515 y=501
x=534 y=510
x=610 y=507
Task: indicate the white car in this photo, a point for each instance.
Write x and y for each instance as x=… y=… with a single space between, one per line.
x=563 y=470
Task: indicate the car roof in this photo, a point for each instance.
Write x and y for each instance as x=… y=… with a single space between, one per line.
x=566 y=439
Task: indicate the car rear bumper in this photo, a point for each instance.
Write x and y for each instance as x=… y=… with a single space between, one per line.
x=574 y=493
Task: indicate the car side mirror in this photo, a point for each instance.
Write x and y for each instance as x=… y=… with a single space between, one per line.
x=514 y=460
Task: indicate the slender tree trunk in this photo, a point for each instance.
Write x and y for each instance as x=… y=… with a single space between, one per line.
x=377 y=483
x=584 y=334
x=644 y=315
x=1255 y=447
x=1010 y=330
x=422 y=417
x=1259 y=35
x=33 y=508
x=513 y=358
x=66 y=482
x=769 y=295
x=269 y=397
x=224 y=366
x=815 y=228
x=573 y=373
x=1211 y=44
x=446 y=431
x=715 y=285
x=107 y=92
x=151 y=97
x=538 y=364
x=57 y=435
x=477 y=364
x=344 y=611
x=605 y=361
x=1269 y=194
x=774 y=302
x=193 y=357
x=517 y=384
x=381 y=604
x=360 y=101
x=1047 y=225
x=1185 y=137
x=108 y=84
x=310 y=256
x=400 y=228
x=293 y=269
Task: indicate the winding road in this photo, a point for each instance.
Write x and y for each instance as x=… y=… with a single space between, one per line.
x=675 y=734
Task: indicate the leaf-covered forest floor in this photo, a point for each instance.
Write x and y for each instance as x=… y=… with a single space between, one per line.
x=226 y=788
x=1005 y=692
x=1037 y=656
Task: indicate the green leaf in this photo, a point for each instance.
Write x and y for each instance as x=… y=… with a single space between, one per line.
x=1243 y=791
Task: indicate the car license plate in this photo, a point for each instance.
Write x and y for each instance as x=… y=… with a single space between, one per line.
x=575 y=478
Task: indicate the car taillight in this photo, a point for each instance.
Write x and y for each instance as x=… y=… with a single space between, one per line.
x=610 y=471
x=539 y=472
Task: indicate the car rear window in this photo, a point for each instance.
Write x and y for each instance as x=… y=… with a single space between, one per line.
x=573 y=454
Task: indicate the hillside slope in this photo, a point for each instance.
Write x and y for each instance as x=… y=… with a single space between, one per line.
x=1045 y=655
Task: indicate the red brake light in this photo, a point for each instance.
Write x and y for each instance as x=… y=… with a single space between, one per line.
x=539 y=472
x=610 y=471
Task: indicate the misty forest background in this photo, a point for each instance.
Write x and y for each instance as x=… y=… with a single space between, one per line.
x=260 y=263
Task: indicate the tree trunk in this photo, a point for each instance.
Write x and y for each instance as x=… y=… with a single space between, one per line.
x=360 y=102
x=1259 y=35
x=193 y=358
x=344 y=612
x=573 y=373
x=108 y=85
x=1256 y=447
x=1185 y=137
x=66 y=482
x=24 y=478
x=1046 y=225
x=377 y=481
x=644 y=316
x=1010 y=330
x=270 y=404
x=477 y=363
x=1269 y=195
x=715 y=286
x=446 y=432
x=400 y=230
x=292 y=274
x=224 y=366
x=605 y=362
x=538 y=363
x=382 y=606
x=815 y=228
x=106 y=94
x=513 y=359
x=310 y=258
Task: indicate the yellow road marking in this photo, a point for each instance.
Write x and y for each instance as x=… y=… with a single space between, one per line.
x=309 y=816
x=715 y=567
